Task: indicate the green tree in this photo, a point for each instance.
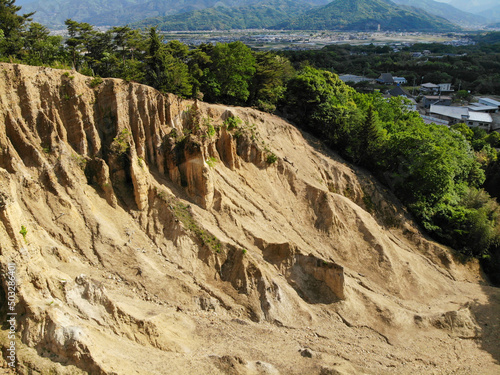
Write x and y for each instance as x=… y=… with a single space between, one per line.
x=269 y=82
x=462 y=95
x=321 y=103
x=178 y=50
x=369 y=140
x=228 y=77
x=79 y=39
x=42 y=48
x=428 y=163
x=198 y=62
x=128 y=48
x=493 y=139
x=12 y=25
x=164 y=71
x=464 y=130
x=100 y=56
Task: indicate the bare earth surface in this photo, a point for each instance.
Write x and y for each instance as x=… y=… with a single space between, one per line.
x=175 y=247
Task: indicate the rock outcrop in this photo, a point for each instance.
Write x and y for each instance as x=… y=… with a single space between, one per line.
x=166 y=236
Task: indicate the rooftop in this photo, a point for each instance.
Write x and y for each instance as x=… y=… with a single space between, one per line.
x=481 y=107
x=490 y=101
x=460 y=113
x=435 y=97
x=399 y=91
x=353 y=78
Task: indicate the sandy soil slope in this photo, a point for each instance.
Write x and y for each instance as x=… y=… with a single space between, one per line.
x=160 y=239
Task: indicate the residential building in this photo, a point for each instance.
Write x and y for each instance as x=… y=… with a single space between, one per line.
x=354 y=78
x=386 y=79
x=455 y=115
x=429 y=88
x=445 y=88
x=478 y=107
x=489 y=102
x=400 y=80
x=429 y=100
x=434 y=120
x=399 y=91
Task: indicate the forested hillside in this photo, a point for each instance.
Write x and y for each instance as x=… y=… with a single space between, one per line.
x=446 y=11
x=122 y=12
x=263 y=14
x=368 y=15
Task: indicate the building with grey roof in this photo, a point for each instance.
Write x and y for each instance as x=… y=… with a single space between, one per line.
x=478 y=107
x=489 y=102
x=386 y=79
x=455 y=115
x=430 y=88
x=429 y=100
x=354 y=78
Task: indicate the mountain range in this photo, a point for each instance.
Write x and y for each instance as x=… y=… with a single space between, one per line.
x=368 y=15
x=264 y=14
x=489 y=9
x=446 y=11
x=239 y=14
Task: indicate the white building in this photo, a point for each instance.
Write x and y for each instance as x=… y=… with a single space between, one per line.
x=478 y=107
x=455 y=115
x=354 y=78
x=429 y=88
x=400 y=80
x=445 y=88
x=489 y=102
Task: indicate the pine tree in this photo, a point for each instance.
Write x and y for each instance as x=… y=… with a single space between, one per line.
x=369 y=139
x=12 y=26
x=165 y=72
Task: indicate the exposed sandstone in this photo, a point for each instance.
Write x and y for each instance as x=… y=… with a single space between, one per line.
x=161 y=242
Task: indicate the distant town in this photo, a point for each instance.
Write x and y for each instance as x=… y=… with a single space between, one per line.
x=300 y=40
x=264 y=39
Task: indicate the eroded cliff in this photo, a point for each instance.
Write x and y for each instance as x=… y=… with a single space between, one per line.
x=165 y=236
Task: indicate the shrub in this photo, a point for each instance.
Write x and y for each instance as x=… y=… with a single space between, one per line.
x=211 y=161
x=96 y=81
x=271 y=158
x=23 y=232
x=232 y=123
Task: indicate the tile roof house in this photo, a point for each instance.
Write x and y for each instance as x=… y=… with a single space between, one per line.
x=399 y=91
x=386 y=78
x=436 y=99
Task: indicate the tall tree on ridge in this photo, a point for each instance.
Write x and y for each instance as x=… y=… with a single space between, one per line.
x=12 y=25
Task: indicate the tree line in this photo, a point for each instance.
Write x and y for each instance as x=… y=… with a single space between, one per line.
x=229 y=73
x=439 y=173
